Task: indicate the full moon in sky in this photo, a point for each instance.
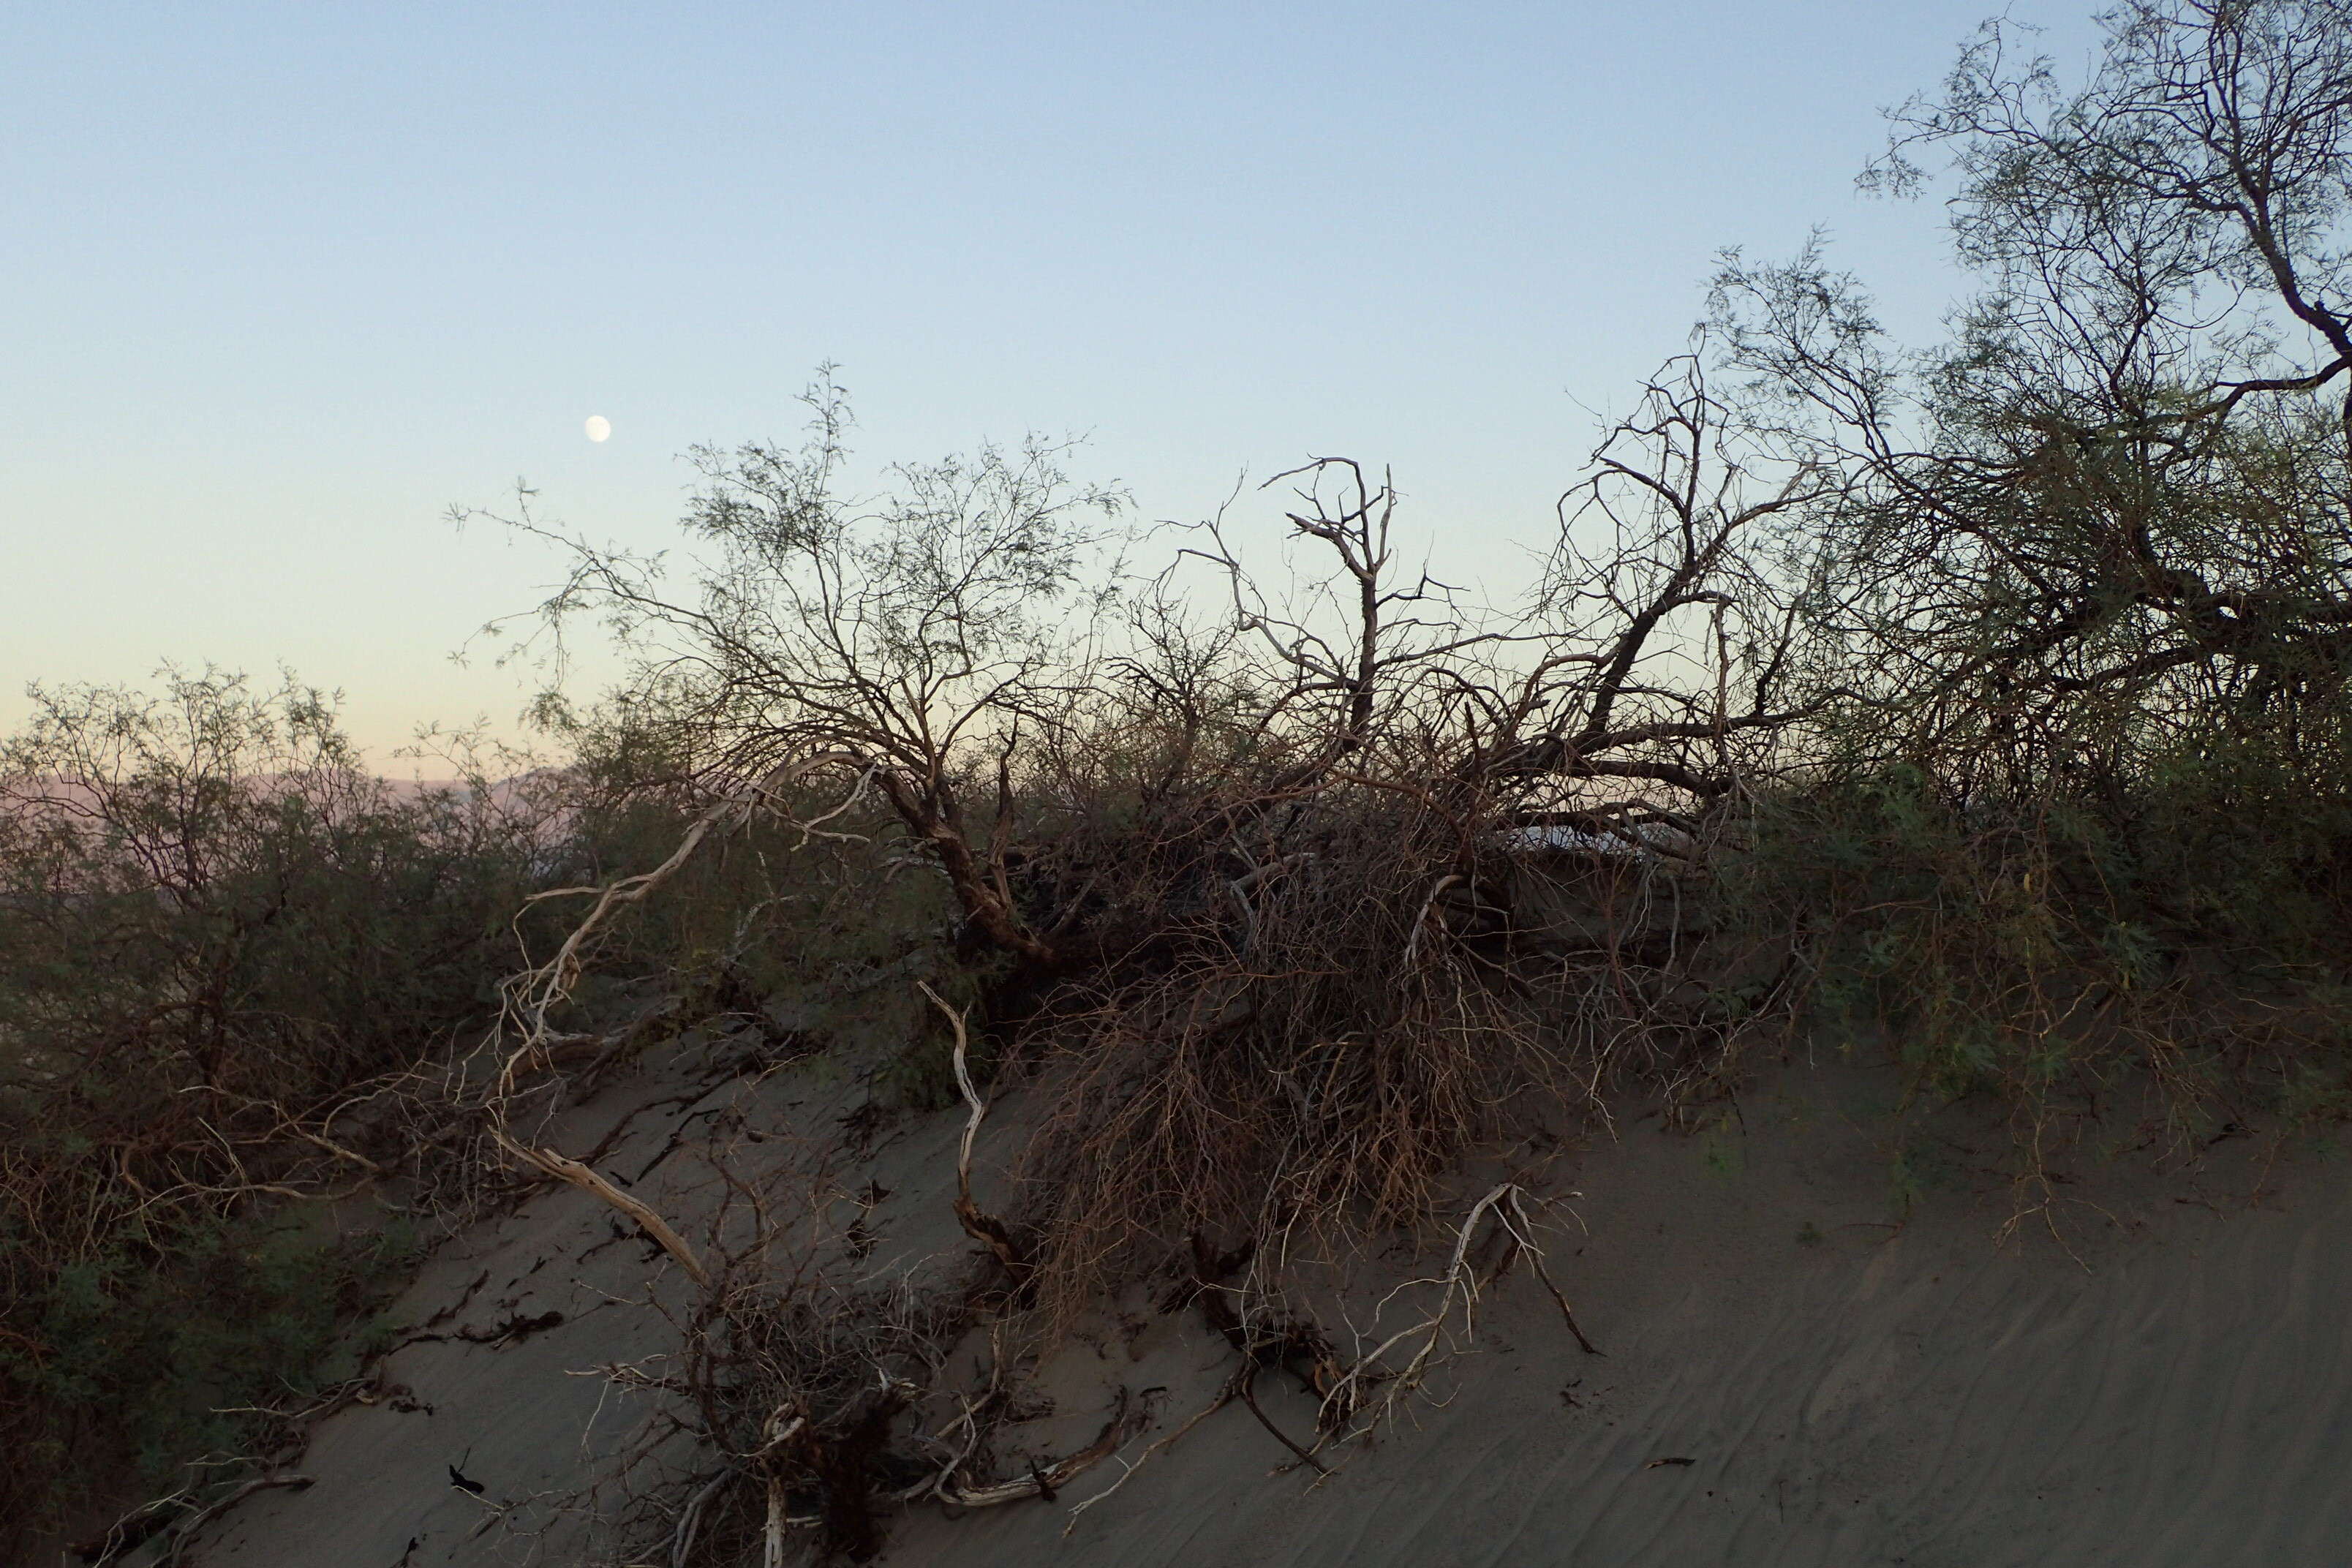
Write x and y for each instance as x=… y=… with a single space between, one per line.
x=599 y=427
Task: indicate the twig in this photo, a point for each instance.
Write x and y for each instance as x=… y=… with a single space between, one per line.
x=1223 y=1398
x=143 y=1523
x=1460 y=1283
x=1523 y=1235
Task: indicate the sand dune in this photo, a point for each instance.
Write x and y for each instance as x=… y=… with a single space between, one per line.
x=2165 y=1378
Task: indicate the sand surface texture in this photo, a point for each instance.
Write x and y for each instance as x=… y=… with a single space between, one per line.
x=1790 y=1377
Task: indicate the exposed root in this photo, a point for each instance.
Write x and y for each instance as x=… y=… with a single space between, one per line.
x=1522 y=1245
x=1458 y=1294
x=1265 y=1343
x=1224 y=1397
x=1245 y=1381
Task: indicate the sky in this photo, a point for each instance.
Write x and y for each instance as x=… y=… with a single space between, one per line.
x=283 y=284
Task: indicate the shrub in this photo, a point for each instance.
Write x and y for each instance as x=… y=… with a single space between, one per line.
x=216 y=930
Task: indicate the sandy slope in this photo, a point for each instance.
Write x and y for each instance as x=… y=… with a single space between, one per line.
x=2178 y=1390
x=1923 y=1400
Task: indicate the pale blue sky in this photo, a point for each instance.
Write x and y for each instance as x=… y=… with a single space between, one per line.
x=281 y=283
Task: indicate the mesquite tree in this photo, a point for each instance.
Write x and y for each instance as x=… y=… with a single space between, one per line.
x=2114 y=511
x=909 y=642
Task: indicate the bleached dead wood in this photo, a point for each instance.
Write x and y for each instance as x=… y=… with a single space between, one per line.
x=1224 y=1396
x=777 y=1432
x=563 y=1169
x=1045 y=1480
x=689 y=1521
x=978 y=1223
x=532 y=994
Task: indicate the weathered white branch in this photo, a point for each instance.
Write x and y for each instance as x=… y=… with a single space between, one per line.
x=565 y=1169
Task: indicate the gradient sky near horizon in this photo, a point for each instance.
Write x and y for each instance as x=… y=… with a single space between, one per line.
x=282 y=283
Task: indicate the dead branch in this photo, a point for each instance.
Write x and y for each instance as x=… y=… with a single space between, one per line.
x=1225 y=1395
x=778 y=1432
x=1523 y=1235
x=177 y=1513
x=532 y=994
x=1045 y=1481
x=981 y=1225
x=1245 y=1385
x=689 y=1518
x=579 y=1175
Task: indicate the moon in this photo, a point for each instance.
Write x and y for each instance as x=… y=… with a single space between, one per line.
x=599 y=427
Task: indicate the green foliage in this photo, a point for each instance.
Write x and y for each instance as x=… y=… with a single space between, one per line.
x=216 y=929
x=2010 y=943
x=166 y=1342
x=2078 y=788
